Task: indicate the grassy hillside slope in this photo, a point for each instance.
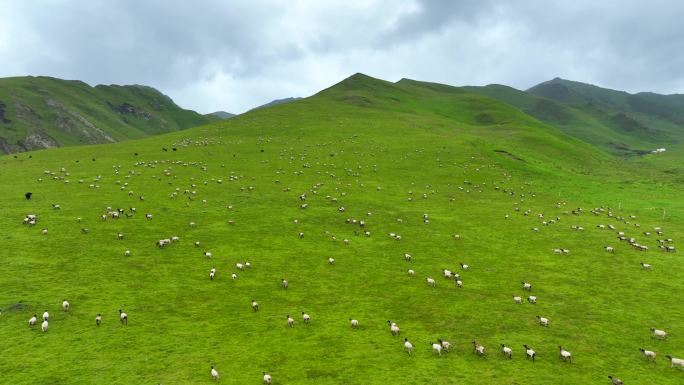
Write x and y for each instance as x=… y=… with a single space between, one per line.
x=646 y=118
x=364 y=149
x=43 y=112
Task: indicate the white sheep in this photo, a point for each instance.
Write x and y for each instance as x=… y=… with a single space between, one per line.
x=657 y=333
x=247 y=265
x=675 y=361
x=564 y=354
x=464 y=266
x=529 y=353
x=445 y=345
x=290 y=321
x=46 y=315
x=354 y=323
x=284 y=284
x=44 y=326
x=506 y=351
x=532 y=299
x=207 y=254
x=527 y=286
x=267 y=378
x=430 y=281
x=646 y=266
x=127 y=253
x=543 y=321
x=407 y=257
x=649 y=354
x=197 y=244
x=478 y=349
x=306 y=318
x=240 y=266
x=233 y=276
x=255 y=305
x=437 y=348
x=98 y=319
x=331 y=261
x=123 y=317
x=459 y=283
x=411 y=272
x=609 y=249
x=408 y=346
x=394 y=329
x=517 y=299
x=32 y=321
x=214 y=373
x=212 y=273
x=65 y=305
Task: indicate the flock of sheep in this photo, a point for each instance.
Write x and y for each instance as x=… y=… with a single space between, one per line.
x=438 y=346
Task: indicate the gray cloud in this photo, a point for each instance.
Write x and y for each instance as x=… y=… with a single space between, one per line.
x=232 y=55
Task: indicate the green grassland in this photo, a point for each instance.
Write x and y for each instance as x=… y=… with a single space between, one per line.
x=387 y=153
x=41 y=112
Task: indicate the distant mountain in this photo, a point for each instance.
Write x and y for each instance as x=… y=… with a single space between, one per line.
x=277 y=102
x=43 y=112
x=221 y=114
x=614 y=120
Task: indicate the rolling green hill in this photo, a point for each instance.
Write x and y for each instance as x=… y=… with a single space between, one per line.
x=44 y=112
x=444 y=174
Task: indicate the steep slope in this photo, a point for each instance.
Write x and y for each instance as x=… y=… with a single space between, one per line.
x=43 y=112
x=277 y=102
x=613 y=132
x=645 y=117
x=389 y=154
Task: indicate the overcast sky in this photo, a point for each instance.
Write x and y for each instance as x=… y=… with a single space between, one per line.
x=233 y=55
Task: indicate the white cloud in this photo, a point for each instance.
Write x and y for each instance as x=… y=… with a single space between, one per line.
x=218 y=55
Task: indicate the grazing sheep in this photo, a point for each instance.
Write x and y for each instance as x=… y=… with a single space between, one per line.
x=123 y=317
x=290 y=321
x=98 y=319
x=646 y=266
x=411 y=272
x=56 y=206
x=44 y=326
x=407 y=257
x=32 y=320
x=127 y=253
x=609 y=249
x=657 y=333
x=430 y=281
x=148 y=216
x=464 y=266
x=649 y=354
x=247 y=265
x=446 y=273
x=44 y=231
x=532 y=299
x=675 y=361
x=267 y=378
x=506 y=351
x=478 y=349
x=255 y=305
x=459 y=283
x=354 y=323
x=445 y=345
x=543 y=321
x=437 y=348
x=240 y=266
x=408 y=346
x=212 y=273
x=331 y=261
x=529 y=353
x=46 y=315
x=214 y=373
x=564 y=354
x=283 y=283
x=65 y=305
x=527 y=286
x=616 y=381
x=394 y=329
x=306 y=318
x=517 y=299
x=197 y=244
x=233 y=276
